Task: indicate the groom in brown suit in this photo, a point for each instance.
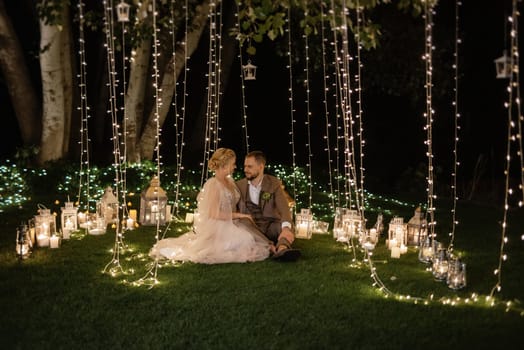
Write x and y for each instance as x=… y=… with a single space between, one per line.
x=263 y=197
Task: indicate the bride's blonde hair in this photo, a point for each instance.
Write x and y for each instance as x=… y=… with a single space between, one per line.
x=220 y=158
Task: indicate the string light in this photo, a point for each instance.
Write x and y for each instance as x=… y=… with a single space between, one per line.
x=291 y=105
x=242 y=85
x=308 y=113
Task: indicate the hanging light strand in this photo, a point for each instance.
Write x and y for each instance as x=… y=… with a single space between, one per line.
x=308 y=116
x=456 y=128
x=242 y=88
x=84 y=117
x=291 y=106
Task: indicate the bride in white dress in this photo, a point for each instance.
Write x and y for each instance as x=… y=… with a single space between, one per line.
x=216 y=237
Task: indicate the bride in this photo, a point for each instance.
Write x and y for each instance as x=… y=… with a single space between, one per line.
x=216 y=237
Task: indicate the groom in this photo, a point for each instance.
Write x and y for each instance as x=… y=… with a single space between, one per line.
x=263 y=197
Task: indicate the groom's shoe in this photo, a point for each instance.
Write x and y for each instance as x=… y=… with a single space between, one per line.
x=284 y=252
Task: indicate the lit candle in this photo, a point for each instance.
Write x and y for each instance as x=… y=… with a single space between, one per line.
x=132 y=214
x=130 y=223
x=395 y=252
x=189 y=217
x=403 y=249
x=42 y=240
x=392 y=243
x=302 y=230
x=373 y=234
x=54 y=242
x=168 y=213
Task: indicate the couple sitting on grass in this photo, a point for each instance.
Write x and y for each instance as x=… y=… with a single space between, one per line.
x=249 y=220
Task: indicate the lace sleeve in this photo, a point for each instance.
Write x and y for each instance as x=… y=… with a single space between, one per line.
x=214 y=201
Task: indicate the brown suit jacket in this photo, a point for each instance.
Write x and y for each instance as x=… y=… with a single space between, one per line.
x=272 y=199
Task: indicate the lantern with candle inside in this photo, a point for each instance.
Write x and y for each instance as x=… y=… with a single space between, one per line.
x=23 y=242
x=503 y=66
x=456 y=278
x=338 y=225
x=69 y=219
x=54 y=241
x=107 y=206
x=320 y=227
x=427 y=250
x=122 y=11
x=250 y=71
x=440 y=264
x=153 y=201
x=304 y=224
x=397 y=231
x=45 y=226
x=417 y=229
x=352 y=223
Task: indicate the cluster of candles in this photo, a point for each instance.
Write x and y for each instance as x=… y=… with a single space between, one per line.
x=444 y=266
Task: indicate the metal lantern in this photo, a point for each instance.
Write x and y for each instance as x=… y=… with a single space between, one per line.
x=23 y=242
x=397 y=232
x=68 y=219
x=153 y=201
x=417 y=228
x=250 y=71
x=122 y=11
x=427 y=250
x=107 y=207
x=503 y=66
x=45 y=226
x=352 y=223
x=456 y=278
x=338 y=225
x=304 y=224
x=441 y=265
x=320 y=227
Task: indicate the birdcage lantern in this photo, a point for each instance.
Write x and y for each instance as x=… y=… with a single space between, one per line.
x=107 y=206
x=440 y=265
x=23 y=242
x=122 y=11
x=503 y=66
x=45 y=226
x=352 y=223
x=250 y=71
x=417 y=228
x=304 y=224
x=456 y=278
x=397 y=232
x=153 y=202
x=68 y=219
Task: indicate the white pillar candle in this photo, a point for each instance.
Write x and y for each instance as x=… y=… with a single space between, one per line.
x=42 y=240
x=189 y=218
x=54 y=242
x=395 y=252
x=66 y=233
x=130 y=223
x=168 y=213
x=132 y=214
x=403 y=249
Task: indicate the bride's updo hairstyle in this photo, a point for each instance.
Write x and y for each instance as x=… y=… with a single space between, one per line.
x=220 y=158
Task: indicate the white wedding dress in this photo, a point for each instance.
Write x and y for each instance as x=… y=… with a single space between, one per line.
x=215 y=238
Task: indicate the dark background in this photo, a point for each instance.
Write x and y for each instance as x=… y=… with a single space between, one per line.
x=393 y=101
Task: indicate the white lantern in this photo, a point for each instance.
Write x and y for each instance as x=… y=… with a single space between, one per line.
x=456 y=278
x=304 y=224
x=250 y=71
x=320 y=227
x=23 y=242
x=338 y=225
x=107 y=207
x=45 y=226
x=503 y=66
x=153 y=201
x=417 y=228
x=68 y=219
x=122 y=11
x=397 y=232
x=352 y=223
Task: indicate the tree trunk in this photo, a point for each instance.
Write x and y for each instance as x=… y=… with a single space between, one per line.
x=66 y=59
x=52 y=91
x=168 y=84
x=14 y=71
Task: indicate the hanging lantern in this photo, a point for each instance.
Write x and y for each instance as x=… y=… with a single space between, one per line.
x=427 y=250
x=503 y=66
x=456 y=278
x=45 y=226
x=68 y=219
x=122 y=11
x=23 y=242
x=397 y=232
x=153 y=201
x=250 y=71
x=107 y=207
x=441 y=265
x=417 y=229
x=304 y=224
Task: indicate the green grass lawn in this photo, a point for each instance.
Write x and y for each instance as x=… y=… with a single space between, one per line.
x=59 y=298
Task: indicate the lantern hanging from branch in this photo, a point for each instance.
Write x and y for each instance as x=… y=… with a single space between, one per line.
x=250 y=71
x=68 y=219
x=23 y=242
x=45 y=226
x=122 y=11
x=304 y=224
x=153 y=201
x=503 y=66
